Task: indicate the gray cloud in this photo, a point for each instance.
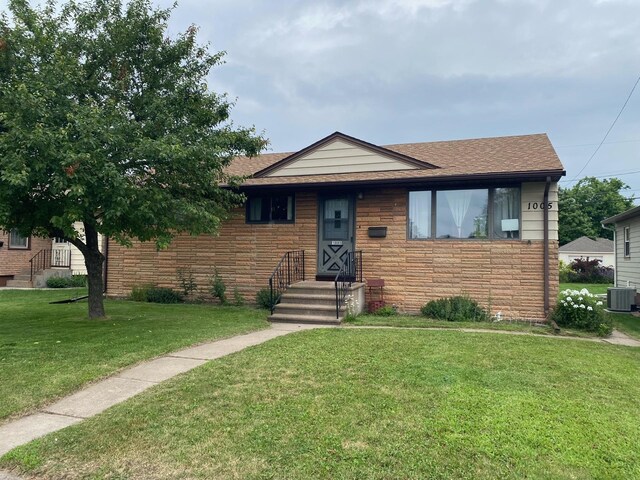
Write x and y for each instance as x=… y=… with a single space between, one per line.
x=391 y=71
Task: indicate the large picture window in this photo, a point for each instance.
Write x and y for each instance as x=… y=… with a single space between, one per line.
x=17 y=241
x=270 y=209
x=461 y=213
x=471 y=213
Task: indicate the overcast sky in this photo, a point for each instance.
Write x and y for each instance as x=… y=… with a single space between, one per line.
x=393 y=71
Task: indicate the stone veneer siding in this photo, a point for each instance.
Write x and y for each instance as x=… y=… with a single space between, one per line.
x=15 y=261
x=506 y=275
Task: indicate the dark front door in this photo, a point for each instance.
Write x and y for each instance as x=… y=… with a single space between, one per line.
x=336 y=223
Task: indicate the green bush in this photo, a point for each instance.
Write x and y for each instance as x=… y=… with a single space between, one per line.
x=218 y=288
x=187 y=281
x=238 y=298
x=386 y=311
x=263 y=299
x=582 y=310
x=163 y=295
x=565 y=271
x=139 y=293
x=584 y=270
x=58 y=282
x=455 y=309
x=73 y=281
x=78 y=281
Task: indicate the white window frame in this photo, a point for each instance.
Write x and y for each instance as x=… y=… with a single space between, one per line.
x=13 y=246
x=626 y=243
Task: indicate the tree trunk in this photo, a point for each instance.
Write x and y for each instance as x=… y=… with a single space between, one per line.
x=93 y=259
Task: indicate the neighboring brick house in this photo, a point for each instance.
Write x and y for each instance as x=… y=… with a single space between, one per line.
x=15 y=253
x=457 y=217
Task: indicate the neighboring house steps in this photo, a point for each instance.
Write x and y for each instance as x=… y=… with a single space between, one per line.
x=39 y=280
x=313 y=302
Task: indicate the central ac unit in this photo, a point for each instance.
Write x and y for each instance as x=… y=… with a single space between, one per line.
x=620 y=298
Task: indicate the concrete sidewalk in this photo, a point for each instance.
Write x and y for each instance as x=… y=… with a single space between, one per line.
x=104 y=394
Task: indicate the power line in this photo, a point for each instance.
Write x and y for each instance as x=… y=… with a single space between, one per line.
x=607 y=176
x=610 y=128
x=592 y=144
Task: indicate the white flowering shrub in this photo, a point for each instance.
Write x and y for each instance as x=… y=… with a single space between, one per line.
x=581 y=309
x=351 y=307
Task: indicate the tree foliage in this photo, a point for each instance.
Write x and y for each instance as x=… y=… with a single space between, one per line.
x=586 y=204
x=106 y=120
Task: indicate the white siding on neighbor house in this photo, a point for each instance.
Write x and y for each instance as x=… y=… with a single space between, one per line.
x=340 y=157
x=77 y=259
x=533 y=215
x=628 y=269
x=607 y=259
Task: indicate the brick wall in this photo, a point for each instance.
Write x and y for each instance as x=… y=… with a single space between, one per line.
x=508 y=275
x=244 y=254
x=505 y=274
x=14 y=261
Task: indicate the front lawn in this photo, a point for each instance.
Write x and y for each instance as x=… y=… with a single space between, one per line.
x=379 y=403
x=626 y=323
x=47 y=351
x=415 y=321
x=594 y=288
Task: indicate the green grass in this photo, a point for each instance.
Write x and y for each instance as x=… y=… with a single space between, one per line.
x=375 y=404
x=47 y=351
x=414 y=321
x=626 y=323
x=595 y=288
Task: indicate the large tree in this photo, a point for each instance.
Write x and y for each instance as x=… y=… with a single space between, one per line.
x=106 y=120
x=586 y=204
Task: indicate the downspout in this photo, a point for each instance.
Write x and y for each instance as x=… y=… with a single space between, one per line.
x=615 y=253
x=106 y=262
x=545 y=210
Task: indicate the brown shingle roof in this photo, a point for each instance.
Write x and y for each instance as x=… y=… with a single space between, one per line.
x=498 y=156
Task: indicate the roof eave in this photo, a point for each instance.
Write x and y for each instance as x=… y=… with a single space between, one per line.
x=540 y=175
x=622 y=216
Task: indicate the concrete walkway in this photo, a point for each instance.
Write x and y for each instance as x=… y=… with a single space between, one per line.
x=104 y=394
x=619 y=338
x=116 y=389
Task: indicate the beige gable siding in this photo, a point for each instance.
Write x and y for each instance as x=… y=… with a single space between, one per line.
x=628 y=268
x=533 y=215
x=340 y=157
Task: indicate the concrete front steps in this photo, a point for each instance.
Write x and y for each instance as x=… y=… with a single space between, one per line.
x=312 y=302
x=23 y=279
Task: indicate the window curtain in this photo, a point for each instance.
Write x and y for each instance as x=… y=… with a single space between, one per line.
x=255 y=209
x=420 y=214
x=459 y=201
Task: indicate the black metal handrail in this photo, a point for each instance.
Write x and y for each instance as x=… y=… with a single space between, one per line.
x=47 y=258
x=351 y=271
x=290 y=269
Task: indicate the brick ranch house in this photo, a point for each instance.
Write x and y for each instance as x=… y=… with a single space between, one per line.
x=476 y=217
x=29 y=261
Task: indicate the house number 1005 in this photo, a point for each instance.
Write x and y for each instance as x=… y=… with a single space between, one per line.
x=539 y=206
